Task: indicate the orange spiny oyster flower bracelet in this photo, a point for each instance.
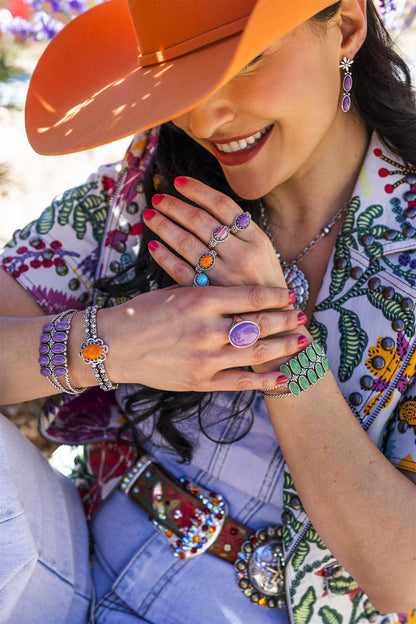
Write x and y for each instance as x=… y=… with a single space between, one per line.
x=94 y=350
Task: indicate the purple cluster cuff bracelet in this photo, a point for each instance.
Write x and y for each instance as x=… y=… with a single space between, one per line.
x=52 y=359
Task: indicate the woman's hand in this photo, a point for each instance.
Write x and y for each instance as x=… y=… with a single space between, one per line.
x=246 y=257
x=177 y=338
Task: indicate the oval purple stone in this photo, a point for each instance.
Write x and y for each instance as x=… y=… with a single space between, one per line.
x=45 y=372
x=59 y=336
x=43 y=360
x=58 y=359
x=346 y=103
x=45 y=338
x=347 y=82
x=58 y=347
x=59 y=370
x=243 y=221
x=47 y=327
x=61 y=325
x=244 y=334
x=43 y=348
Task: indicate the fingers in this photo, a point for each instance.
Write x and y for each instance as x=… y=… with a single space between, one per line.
x=240 y=300
x=192 y=218
x=179 y=270
x=182 y=241
x=239 y=380
x=220 y=206
x=267 y=350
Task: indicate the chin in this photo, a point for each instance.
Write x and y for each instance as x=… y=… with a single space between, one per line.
x=248 y=190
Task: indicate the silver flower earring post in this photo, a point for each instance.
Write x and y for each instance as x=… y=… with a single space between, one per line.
x=346 y=64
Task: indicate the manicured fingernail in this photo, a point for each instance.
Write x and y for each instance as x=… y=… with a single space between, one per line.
x=153 y=245
x=181 y=181
x=292 y=297
x=148 y=214
x=156 y=199
x=302 y=318
x=281 y=379
x=302 y=342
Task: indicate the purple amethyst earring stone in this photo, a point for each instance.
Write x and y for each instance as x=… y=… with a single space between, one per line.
x=347 y=82
x=244 y=334
x=346 y=103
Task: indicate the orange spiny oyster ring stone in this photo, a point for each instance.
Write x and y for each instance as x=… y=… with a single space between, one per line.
x=205 y=261
x=93 y=351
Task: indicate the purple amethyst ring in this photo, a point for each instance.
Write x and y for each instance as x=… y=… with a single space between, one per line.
x=243 y=333
x=241 y=222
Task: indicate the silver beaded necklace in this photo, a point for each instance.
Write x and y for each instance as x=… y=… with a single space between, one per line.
x=294 y=276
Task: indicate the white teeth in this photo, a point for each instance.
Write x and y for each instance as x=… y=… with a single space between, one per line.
x=226 y=148
x=242 y=144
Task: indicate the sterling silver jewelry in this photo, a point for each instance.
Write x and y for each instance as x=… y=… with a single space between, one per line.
x=294 y=276
x=93 y=351
x=346 y=65
x=243 y=333
x=219 y=235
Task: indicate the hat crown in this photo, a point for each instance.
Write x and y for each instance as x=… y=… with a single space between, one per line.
x=166 y=30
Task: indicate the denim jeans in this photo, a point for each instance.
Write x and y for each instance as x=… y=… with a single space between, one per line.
x=44 y=555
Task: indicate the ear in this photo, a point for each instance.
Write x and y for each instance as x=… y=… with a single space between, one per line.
x=353 y=26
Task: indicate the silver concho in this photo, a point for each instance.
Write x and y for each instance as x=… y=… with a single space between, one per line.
x=260 y=568
x=297 y=282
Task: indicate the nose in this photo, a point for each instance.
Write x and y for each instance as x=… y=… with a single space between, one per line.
x=207 y=118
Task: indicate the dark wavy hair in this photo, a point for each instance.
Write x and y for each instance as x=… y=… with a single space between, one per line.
x=382 y=96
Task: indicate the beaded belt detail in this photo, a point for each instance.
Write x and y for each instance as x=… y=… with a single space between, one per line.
x=195 y=521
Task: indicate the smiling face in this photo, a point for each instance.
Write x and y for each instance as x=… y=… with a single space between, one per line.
x=275 y=119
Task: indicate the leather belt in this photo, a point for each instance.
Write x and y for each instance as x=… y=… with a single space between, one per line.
x=195 y=521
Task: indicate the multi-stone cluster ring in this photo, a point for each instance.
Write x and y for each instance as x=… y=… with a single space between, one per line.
x=218 y=235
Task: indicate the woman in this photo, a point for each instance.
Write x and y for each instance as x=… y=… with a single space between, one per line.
x=276 y=141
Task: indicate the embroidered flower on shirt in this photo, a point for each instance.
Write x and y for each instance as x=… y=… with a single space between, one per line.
x=383 y=361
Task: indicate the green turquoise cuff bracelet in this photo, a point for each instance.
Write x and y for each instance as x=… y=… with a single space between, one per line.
x=303 y=371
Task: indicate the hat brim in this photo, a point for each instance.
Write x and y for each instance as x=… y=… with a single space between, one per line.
x=88 y=90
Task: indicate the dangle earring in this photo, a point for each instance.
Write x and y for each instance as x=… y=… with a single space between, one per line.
x=346 y=64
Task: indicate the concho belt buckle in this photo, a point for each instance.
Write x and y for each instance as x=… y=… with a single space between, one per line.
x=260 y=568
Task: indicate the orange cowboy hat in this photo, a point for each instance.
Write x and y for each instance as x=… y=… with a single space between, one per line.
x=127 y=65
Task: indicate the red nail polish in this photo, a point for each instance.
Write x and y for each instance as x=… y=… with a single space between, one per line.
x=302 y=318
x=181 y=181
x=156 y=199
x=302 y=342
x=152 y=245
x=281 y=379
x=292 y=297
x=148 y=214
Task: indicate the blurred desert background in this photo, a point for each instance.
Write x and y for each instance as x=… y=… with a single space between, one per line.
x=29 y=181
